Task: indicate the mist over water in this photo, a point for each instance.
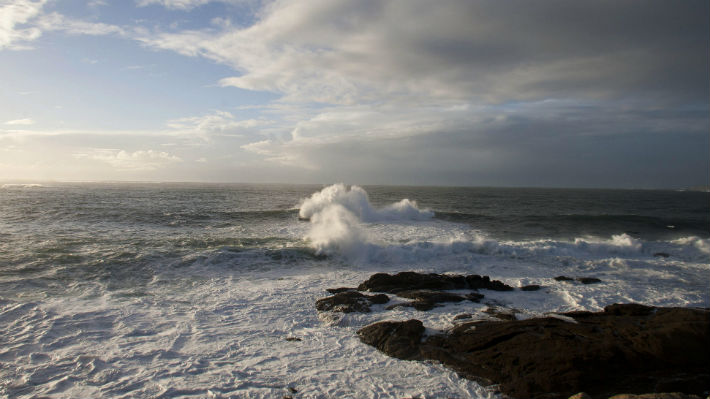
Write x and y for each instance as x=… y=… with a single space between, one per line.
x=188 y=290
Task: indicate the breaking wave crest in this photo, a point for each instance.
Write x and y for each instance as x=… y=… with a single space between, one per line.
x=343 y=222
x=337 y=212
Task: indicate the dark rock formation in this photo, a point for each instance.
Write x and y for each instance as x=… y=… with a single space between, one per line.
x=350 y=301
x=476 y=282
x=661 y=254
x=583 y=280
x=502 y=314
x=340 y=289
x=665 y=395
x=428 y=299
x=625 y=348
x=405 y=281
x=400 y=339
x=563 y=278
x=531 y=287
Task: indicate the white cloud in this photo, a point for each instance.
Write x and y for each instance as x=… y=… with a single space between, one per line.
x=141 y=160
x=344 y=52
x=21 y=122
x=58 y=22
x=22 y=21
x=184 y=5
x=217 y=123
x=15 y=14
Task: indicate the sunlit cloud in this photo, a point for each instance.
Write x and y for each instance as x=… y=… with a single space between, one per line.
x=141 y=160
x=173 y=4
x=216 y=123
x=21 y=122
x=333 y=89
x=13 y=17
x=58 y=22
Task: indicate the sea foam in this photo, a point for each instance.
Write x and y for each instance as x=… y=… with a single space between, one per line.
x=337 y=213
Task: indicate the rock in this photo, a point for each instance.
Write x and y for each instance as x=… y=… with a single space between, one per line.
x=340 y=289
x=428 y=299
x=293 y=339
x=405 y=281
x=583 y=280
x=463 y=316
x=588 y=280
x=670 y=395
x=661 y=254
x=350 y=301
x=292 y=390
x=500 y=314
x=418 y=305
x=629 y=309
x=581 y=395
x=532 y=287
x=474 y=297
x=626 y=348
x=383 y=282
x=484 y=282
x=563 y=278
x=398 y=339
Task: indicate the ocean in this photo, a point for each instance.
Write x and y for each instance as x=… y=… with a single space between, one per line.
x=121 y=290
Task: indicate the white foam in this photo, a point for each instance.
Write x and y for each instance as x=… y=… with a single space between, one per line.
x=356 y=201
x=337 y=213
x=214 y=323
x=21 y=185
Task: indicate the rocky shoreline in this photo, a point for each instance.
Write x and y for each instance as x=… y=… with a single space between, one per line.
x=627 y=348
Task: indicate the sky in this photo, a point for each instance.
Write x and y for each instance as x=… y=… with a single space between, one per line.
x=552 y=93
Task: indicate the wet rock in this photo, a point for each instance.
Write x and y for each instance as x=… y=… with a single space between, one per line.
x=581 y=395
x=463 y=316
x=340 y=289
x=430 y=296
x=629 y=309
x=588 y=280
x=531 y=287
x=501 y=314
x=350 y=301
x=293 y=339
x=474 y=297
x=661 y=254
x=398 y=339
x=484 y=282
x=670 y=395
x=406 y=281
x=626 y=348
x=428 y=299
x=563 y=278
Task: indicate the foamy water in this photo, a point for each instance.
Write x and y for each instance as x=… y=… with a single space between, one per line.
x=143 y=291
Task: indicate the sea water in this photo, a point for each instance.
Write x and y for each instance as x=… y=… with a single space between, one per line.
x=208 y=291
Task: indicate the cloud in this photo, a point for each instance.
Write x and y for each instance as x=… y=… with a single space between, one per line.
x=340 y=52
x=13 y=16
x=23 y=21
x=21 y=122
x=58 y=22
x=183 y=5
x=173 y=4
x=480 y=92
x=141 y=160
x=218 y=123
